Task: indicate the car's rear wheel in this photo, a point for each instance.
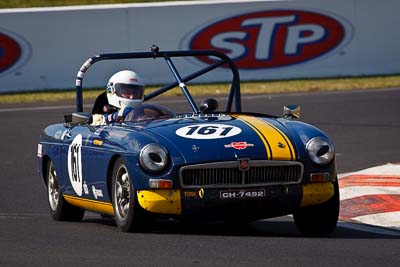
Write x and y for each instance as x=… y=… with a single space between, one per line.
x=128 y=215
x=60 y=210
x=319 y=220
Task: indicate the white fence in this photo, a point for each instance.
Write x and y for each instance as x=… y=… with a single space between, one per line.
x=43 y=48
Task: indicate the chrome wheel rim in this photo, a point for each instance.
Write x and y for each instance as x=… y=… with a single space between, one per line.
x=53 y=189
x=122 y=193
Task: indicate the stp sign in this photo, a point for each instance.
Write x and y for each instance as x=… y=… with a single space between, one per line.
x=271 y=39
x=13 y=51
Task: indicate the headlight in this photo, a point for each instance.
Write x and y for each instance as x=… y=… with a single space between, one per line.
x=320 y=150
x=153 y=157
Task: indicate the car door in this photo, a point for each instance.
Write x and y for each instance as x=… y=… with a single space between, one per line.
x=85 y=162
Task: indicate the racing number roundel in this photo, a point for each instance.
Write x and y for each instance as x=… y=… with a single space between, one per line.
x=208 y=131
x=75 y=164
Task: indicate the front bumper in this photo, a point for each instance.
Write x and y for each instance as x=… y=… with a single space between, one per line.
x=276 y=200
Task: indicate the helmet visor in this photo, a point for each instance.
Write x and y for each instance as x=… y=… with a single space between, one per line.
x=129 y=91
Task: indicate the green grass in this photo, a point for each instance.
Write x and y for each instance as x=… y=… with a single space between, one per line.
x=264 y=87
x=50 y=3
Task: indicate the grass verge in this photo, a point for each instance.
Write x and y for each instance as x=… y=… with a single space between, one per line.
x=264 y=87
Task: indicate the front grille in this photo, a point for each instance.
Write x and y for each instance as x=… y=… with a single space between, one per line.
x=260 y=172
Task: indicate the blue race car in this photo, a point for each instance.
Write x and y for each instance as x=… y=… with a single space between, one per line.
x=220 y=165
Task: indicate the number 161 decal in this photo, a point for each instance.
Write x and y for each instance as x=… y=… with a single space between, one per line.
x=75 y=164
x=208 y=131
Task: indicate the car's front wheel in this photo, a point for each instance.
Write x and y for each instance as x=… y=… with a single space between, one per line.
x=127 y=213
x=319 y=220
x=60 y=209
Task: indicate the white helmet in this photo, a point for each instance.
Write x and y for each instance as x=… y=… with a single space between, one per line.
x=125 y=89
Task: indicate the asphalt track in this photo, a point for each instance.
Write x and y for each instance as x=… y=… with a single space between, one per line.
x=365 y=126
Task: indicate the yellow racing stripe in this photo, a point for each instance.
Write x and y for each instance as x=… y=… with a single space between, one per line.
x=277 y=144
x=258 y=132
x=99 y=206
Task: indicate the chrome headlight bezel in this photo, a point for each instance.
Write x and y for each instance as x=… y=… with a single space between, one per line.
x=320 y=150
x=153 y=158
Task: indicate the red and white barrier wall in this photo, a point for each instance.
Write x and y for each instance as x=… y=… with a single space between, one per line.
x=277 y=39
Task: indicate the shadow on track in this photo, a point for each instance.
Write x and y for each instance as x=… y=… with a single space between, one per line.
x=278 y=227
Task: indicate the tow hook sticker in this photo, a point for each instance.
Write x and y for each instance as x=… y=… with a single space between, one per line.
x=75 y=164
x=194 y=194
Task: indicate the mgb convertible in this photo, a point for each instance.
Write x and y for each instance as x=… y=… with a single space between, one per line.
x=210 y=163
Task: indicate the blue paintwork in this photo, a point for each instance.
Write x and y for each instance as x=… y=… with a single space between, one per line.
x=128 y=139
x=103 y=144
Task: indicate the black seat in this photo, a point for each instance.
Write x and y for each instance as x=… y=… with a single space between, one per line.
x=100 y=102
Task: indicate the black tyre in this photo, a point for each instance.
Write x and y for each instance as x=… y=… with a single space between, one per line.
x=319 y=220
x=60 y=209
x=128 y=215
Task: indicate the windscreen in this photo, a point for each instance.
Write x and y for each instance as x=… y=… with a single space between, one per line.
x=148 y=112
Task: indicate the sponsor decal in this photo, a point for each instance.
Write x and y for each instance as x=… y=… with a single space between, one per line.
x=39 y=150
x=208 y=131
x=273 y=38
x=194 y=194
x=97 y=192
x=75 y=164
x=97 y=142
x=238 y=145
x=14 y=51
x=85 y=188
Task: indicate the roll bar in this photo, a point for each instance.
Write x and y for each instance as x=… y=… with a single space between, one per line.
x=234 y=94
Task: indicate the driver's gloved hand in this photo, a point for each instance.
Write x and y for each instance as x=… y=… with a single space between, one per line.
x=109 y=109
x=119 y=119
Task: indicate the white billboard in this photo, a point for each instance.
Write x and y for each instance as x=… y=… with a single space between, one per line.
x=43 y=48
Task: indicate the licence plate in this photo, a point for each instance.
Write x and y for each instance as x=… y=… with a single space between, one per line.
x=251 y=193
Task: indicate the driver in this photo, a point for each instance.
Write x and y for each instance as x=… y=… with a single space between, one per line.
x=125 y=90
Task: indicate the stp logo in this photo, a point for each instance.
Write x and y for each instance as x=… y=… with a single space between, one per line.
x=13 y=51
x=270 y=39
